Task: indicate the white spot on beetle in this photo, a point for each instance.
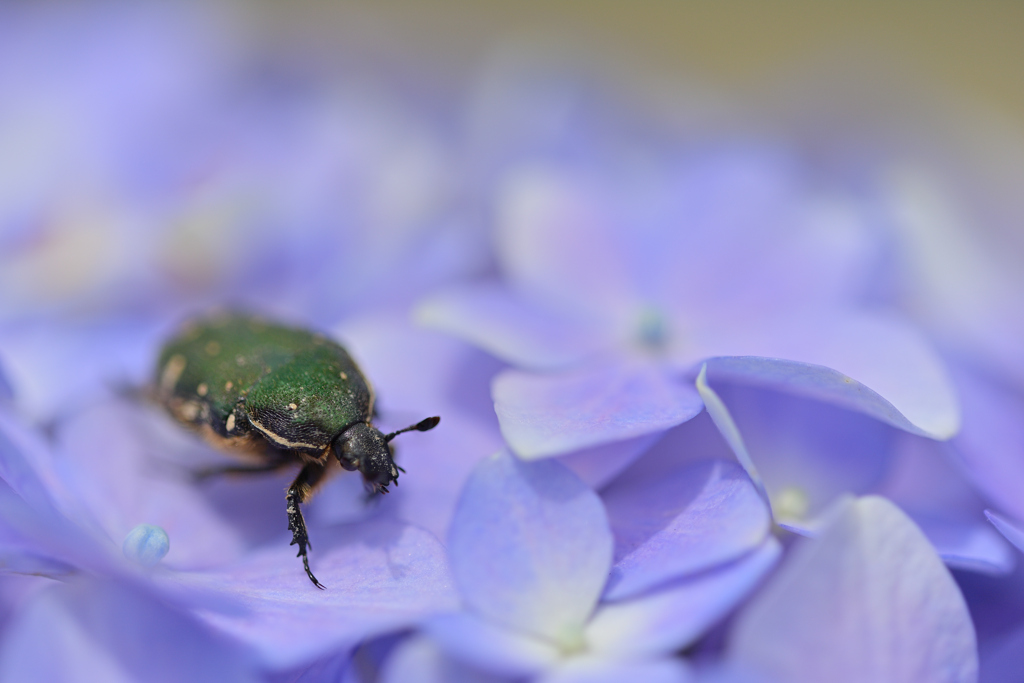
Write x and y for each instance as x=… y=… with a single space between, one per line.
x=212 y=348
x=202 y=389
x=230 y=423
x=172 y=372
x=189 y=411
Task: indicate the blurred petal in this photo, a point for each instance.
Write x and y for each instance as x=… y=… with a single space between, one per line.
x=667 y=620
x=379 y=575
x=490 y=647
x=544 y=415
x=875 y=365
x=30 y=519
x=598 y=465
x=117 y=475
x=556 y=244
x=418 y=660
x=868 y=600
x=98 y=631
x=1014 y=533
x=967 y=545
x=530 y=546
x=992 y=439
x=669 y=523
x=603 y=671
x=504 y=324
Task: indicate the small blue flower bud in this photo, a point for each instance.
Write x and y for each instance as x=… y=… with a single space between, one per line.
x=146 y=544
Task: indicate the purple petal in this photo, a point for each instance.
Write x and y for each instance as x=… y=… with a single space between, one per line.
x=604 y=671
x=522 y=333
x=98 y=631
x=490 y=647
x=556 y=244
x=419 y=660
x=1013 y=532
x=874 y=365
x=544 y=415
x=927 y=483
x=669 y=522
x=968 y=545
x=30 y=517
x=598 y=465
x=992 y=440
x=116 y=475
x=808 y=452
x=868 y=600
x=530 y=546
x=379 y=575
x=666 y=620
x=730 y=432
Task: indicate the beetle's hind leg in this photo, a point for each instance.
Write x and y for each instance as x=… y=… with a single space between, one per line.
x=298 y=493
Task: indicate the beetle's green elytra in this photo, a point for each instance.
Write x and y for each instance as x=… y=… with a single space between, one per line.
x=280 y=396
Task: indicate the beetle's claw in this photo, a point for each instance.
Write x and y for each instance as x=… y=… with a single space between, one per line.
x=309 y=573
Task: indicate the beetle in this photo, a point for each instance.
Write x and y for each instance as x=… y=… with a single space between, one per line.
x=279 y=396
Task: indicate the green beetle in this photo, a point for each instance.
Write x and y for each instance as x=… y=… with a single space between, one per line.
x=280 y=396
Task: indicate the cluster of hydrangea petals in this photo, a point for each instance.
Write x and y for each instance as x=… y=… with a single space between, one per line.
x=706 y=416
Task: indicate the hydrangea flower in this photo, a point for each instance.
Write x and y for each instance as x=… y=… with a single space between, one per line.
x=867 y=600
x=617 y=286
x=531 y=549
x=809 y=454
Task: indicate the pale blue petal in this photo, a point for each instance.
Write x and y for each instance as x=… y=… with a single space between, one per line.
x=530 y=546
x=98 y=631
x=599 y=465
x=876 y=365
x=419 y=660
x=379 y=576
x=868 y=600
x=599 y=670
x=490 y=647
x=552 y=414
x=672 y=521
x=1013 y=532
x=518 y=331
x=664 y=621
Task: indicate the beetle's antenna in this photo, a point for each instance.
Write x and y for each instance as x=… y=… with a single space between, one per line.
x=421 y=426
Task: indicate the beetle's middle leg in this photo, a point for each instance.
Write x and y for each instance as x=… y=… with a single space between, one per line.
x=298 y=493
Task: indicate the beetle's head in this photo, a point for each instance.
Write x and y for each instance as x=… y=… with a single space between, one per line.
x=363 y=447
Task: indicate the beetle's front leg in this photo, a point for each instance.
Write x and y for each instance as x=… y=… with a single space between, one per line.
x=298 y=493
